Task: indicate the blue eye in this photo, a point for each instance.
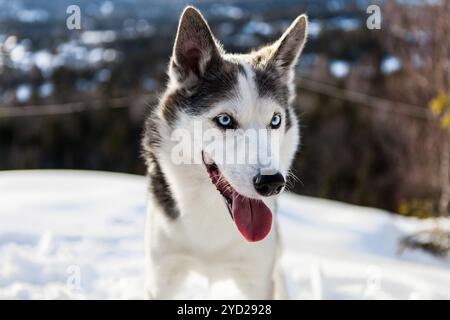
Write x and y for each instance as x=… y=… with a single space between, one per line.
x=276 y=121
x=225 y=121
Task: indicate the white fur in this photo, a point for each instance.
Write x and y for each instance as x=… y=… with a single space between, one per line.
x=204 y=238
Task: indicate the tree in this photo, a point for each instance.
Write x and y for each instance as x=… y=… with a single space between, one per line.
x=418 y=34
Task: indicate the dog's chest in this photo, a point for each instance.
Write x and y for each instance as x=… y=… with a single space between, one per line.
x=205 y=220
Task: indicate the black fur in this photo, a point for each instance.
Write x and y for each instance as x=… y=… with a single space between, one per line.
x=160 y=189
x=242 y=70
x=270 y=84
x=216 y=84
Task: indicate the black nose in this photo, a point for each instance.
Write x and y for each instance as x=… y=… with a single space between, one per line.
x=269 y=185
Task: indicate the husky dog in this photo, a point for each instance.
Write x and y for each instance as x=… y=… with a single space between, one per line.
x=210 y=216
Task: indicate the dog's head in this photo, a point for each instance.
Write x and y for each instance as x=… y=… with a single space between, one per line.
x=241 y=105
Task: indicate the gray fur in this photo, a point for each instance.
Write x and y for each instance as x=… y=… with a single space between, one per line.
x=204 y=76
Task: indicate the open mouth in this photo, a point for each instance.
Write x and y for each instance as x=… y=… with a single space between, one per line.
x=251 y=216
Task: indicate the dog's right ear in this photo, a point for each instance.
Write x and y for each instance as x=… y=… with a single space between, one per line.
x=195 y=47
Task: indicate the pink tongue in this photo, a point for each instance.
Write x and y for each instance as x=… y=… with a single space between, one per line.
x=252 y=217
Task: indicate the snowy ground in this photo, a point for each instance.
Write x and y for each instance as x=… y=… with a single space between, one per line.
x=78 y=234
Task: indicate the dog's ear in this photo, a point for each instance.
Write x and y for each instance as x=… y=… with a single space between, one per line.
x=288 y=48
x=284 y=53
x=195 y=47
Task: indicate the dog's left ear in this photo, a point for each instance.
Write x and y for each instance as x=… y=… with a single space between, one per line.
x=288 y=48
x=195 y=47
x=284 y=53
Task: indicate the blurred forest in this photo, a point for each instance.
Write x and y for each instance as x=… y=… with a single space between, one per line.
x=374 y=104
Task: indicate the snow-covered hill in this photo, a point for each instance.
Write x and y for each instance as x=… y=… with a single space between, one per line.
x=79 y=234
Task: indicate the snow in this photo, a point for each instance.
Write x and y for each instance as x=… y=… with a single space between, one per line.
x=390 y=65
x=314 y=28
x=339 y=68
x=23 y=92
x=79 y=234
